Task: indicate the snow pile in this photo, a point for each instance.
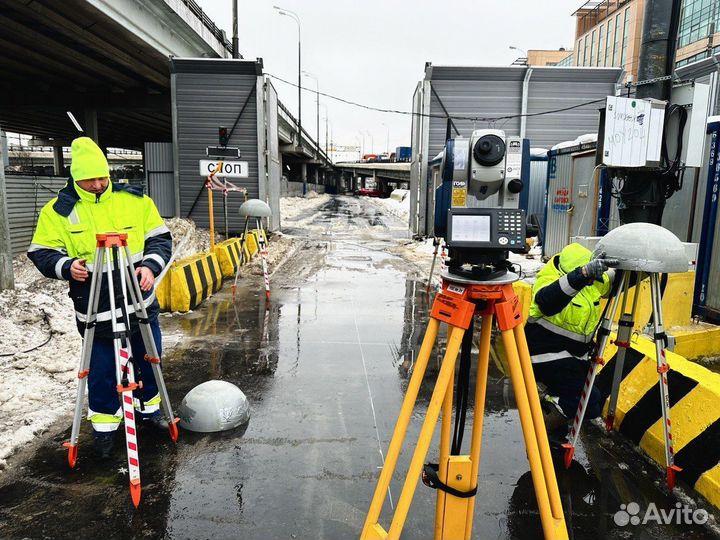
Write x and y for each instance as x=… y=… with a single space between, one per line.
x=400 y=209
x=298 y=208
x=39 y=353
x=188 y=237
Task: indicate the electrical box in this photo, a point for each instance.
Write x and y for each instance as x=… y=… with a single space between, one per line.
x=696 y=100
x=633 y=132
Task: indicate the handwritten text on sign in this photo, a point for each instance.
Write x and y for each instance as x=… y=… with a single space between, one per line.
x=228 y=169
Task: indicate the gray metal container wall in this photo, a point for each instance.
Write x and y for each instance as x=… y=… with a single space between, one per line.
x=557 y=222
x=26 y=195
x=160 y=176
x=704 y=71
x=536 y=189
x=207 y=94
x=467 y=93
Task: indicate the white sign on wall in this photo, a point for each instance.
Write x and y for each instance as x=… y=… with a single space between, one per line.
x=228 y=169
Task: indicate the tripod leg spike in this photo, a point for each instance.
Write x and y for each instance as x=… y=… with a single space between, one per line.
x=135 y=492
x=173 y=429
x=569 y=453
x=72 y=454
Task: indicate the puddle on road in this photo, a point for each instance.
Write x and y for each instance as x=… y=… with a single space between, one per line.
x=325 y=368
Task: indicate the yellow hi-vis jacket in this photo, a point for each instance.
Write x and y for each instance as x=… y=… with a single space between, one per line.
x=565 y=308
x=66 y=231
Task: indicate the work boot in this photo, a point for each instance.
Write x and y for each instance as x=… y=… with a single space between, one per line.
x=104 y=443
x=156 y=420
x=555 y=421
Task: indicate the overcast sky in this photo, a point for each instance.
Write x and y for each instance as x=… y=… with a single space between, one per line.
x=374 y=51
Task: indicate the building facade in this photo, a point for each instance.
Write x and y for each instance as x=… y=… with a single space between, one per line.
x=608 y=33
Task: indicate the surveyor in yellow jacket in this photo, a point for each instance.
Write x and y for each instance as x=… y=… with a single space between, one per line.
x=63 y=247
x=564 y=314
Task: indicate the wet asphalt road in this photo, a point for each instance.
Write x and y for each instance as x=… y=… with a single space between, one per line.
x=325 y=369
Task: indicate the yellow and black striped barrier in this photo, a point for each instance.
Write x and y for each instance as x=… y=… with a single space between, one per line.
x=189 y=282
x=230 y=256
x=694 y=412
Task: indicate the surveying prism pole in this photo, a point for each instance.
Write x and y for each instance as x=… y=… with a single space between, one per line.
x=113 y=261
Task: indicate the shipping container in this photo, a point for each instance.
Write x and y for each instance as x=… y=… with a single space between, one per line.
x=403 y=153
x=578 y=201
x=160 y=176
x=707 y=284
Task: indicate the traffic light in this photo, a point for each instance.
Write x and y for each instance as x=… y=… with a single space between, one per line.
x=223 y=136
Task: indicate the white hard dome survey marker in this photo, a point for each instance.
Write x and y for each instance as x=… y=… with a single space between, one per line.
x=255 y=208
x=644 y=247
x=214 y=406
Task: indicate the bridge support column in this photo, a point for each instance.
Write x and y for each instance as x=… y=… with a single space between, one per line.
x=317 y=177
x=7 y=278
x=303 y=175
x=91 y=125
x=58 y=161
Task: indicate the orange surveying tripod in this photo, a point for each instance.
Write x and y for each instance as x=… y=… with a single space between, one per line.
x=460 y=300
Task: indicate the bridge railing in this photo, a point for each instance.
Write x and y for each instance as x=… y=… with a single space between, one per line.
x=316 y=145
x=208 y=22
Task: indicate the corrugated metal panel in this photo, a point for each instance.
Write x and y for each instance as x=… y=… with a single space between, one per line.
x=558 y=88
x=676 y=215
x=210 y=93
x=557 y=227
x=26 y=195
x=536 y=193
x=273 y=154
x=160 y=176
x=489 y=92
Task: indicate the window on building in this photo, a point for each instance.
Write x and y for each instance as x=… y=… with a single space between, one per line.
x=617 y=42
x=626 y=21
x=601 y=50
x=587 y=53
x=695 y=20
x=567 y=61
x=592 y=48
x=580 y=53
x=609 y=45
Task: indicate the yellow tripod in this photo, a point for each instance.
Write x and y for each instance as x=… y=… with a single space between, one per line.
x=459 y=301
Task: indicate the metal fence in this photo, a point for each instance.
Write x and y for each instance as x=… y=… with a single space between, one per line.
x=26 y=195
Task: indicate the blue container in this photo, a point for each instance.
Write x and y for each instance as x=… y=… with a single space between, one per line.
x=403 y=153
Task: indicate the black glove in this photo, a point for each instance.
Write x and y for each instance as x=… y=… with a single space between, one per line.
x=595 y=269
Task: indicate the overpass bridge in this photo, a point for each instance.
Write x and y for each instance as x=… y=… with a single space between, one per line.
x=111 y=62
x=112 y=71
x=385 y=175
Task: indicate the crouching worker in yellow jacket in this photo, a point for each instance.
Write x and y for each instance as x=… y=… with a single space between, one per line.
x=564 y=314
x=63 y=247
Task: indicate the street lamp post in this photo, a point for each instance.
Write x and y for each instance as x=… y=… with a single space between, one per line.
x=514 y=48
x=387 y=139
x=326 y=127
x=362 y=145
x=295 y=17
x=317 y=105
x=372 y=142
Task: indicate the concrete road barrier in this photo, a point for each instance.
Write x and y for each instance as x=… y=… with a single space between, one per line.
x=229 y=255
x=694 y=413
x=190 y=282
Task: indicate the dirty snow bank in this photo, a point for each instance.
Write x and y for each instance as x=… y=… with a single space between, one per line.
x=400 y=209
x=300 y=209
x=39 y=353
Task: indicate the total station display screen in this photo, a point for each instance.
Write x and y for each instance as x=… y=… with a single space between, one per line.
x=470 y=228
